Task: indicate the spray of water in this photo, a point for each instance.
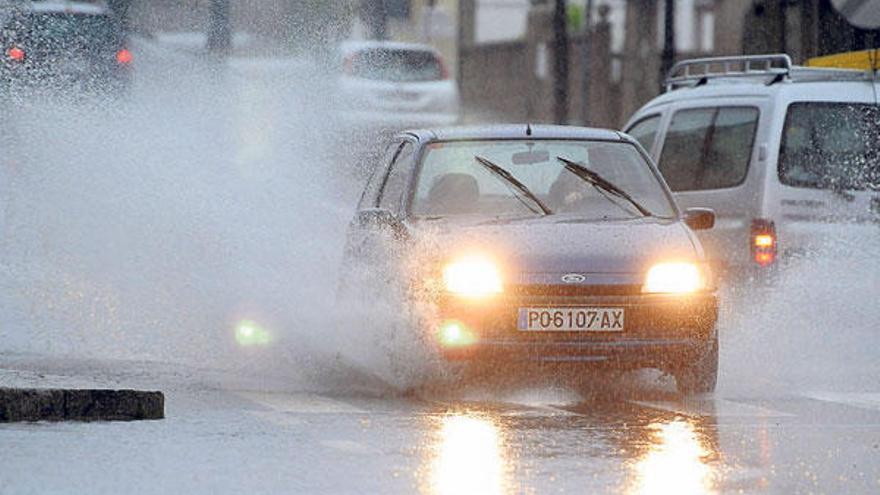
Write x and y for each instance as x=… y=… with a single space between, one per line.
x=200 y=220
x=815 y=328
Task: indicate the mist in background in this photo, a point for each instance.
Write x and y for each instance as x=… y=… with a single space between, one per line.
x=217 y=194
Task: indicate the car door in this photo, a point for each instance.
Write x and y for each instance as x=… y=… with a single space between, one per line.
x=378 y=220
x=827 y=170
x=707 y=154
x=357 y=242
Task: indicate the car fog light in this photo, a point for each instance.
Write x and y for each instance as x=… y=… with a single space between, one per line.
x=472 y=277
x=249 y=333
x=674 y=278
x=455 y=334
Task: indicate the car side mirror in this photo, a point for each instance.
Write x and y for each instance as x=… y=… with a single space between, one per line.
x=699 y=218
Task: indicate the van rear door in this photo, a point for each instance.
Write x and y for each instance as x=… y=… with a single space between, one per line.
x=828 y=171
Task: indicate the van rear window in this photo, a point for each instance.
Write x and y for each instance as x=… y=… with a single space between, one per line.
x=396 y=65
x=831 y=146
x=708 y=148
x=64 y=31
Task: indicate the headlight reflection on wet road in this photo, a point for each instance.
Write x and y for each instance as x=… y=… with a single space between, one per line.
x=470 y=458
x=674 y=463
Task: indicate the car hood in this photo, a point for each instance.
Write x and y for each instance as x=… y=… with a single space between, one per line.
x=554 y=245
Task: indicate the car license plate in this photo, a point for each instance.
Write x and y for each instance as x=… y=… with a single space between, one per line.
x=571 y=319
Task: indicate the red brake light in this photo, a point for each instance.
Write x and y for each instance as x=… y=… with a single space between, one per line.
x=763 y=242
x=124 y=56
x=15 y=53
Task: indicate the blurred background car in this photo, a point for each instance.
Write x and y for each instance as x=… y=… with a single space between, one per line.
x=63 y=45
x=396 y=85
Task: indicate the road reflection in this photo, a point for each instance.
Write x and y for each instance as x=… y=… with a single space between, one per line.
x=470 y=457
x=676 y=461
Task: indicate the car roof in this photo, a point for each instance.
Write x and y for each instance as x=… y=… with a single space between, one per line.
x=516 y=131
x=846 y=89
x=755 y=75
x=63 y=7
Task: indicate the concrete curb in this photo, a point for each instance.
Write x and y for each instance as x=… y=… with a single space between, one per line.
x=34 y=404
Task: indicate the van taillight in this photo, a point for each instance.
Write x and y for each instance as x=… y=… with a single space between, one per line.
x=763 y=242
x=15 y=53
x=444 y=71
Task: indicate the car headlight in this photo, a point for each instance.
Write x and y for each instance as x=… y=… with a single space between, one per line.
x=472 y=277
x=675 y=278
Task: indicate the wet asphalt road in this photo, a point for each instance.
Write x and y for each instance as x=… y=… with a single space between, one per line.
x=628 y=437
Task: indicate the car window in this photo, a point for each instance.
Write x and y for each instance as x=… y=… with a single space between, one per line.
x=452 y=183
x=370 y=196
x=395 y=184
x=645 y=131
x=683 y=147
x=395 y=65
x=64 y=31
x=831 y=146
x=708 y=148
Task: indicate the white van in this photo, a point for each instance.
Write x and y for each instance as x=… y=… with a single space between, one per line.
x=782 y=153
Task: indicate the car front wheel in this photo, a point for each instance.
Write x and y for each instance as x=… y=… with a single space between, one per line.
x=701 y=375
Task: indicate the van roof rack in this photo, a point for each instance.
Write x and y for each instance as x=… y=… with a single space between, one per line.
x=769 y=68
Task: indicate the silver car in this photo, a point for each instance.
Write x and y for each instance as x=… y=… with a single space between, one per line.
x=396 y=85
x=538 y=247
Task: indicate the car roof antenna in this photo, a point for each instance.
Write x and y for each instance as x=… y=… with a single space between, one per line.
x=528 y=129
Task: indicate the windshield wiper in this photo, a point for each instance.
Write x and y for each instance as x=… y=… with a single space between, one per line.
x=601 y=183
x=512 y=181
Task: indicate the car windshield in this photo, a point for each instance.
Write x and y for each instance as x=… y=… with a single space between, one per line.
x=396 y=65
x=67 y=31
x=831 y=146
x=451 y=182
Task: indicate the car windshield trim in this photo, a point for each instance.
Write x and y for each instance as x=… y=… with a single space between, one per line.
x=599 y=182
x=510 y=180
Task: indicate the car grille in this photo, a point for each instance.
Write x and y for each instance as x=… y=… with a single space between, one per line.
x=575 y=290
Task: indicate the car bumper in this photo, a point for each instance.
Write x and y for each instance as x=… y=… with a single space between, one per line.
x=659 y=331
x=39 y=77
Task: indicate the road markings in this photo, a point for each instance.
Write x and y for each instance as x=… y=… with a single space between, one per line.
x=283 y=410
x=536 y=411
x=713 y=407
x=503 y=408
x=861 y=400
x=301 y=403
x=278 y=418
x=349 y=447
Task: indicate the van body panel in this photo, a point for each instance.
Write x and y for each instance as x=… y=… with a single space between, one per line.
x=802 y=210
x=734 y=206
x=804 y=217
